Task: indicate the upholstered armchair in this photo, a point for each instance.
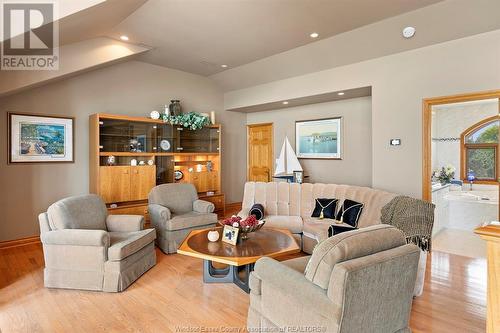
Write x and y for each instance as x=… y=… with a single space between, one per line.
x=356 y=281
x=175 y=210
x=85 y=248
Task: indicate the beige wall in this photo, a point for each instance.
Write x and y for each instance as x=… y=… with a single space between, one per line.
x=131 y=88
x=399 y=83
x=355 y=167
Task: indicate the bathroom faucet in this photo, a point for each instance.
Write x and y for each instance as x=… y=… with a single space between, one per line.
x=470 y=184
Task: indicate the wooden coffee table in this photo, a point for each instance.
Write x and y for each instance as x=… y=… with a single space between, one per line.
x=240 y=258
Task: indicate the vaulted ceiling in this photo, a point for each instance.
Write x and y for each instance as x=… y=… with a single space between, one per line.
x=259 y=40
x=199 y=36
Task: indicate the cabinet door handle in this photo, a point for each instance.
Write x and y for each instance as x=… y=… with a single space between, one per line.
x=180 y=148
x=180 y=129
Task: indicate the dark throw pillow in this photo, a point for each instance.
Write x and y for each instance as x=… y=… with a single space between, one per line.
x=258 y=211
x=338 y=229
x=325 y=208
x=349 y=212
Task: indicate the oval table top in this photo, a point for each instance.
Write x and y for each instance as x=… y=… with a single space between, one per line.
x=266 y=242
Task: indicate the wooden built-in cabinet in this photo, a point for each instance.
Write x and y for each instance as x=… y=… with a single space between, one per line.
x=125 y=187
x=126 y=183
x=219 y=202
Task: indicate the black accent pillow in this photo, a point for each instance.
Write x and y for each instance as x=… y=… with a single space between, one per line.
x=336 y=229
x=258 y=211
x=328 y=206
x=349 y=212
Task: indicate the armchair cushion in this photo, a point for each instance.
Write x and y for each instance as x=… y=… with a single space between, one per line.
x=176 y=197
x=190 y=220
x=81 y=237
x=350 y=245
x=125 y=222
x=123 y=244
x=282 y=288
x=78 y=212
x=202 y=206
x=298 y=264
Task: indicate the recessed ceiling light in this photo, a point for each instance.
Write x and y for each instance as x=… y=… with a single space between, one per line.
x=124 y=38
x=285 y=102
x=314 y=35
x=409 y=32
x=223 y=66
x=341 y=93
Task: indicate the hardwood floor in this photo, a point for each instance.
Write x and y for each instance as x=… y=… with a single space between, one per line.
x=171 y=297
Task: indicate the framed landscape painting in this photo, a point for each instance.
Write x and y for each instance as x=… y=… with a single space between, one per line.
x=321 y=138
x=40 y=139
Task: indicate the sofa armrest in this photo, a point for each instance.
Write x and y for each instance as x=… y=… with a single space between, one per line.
x=287 y=281
x=158 y=214
x=81 y=237
x=125 y=222
x=202 y=206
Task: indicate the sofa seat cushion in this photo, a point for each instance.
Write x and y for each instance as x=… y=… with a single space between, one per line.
x=318 y=229
x=189 y=220
x=124 y=244
x=292 y=223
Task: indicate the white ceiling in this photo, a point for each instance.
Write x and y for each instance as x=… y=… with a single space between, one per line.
x=198 y=36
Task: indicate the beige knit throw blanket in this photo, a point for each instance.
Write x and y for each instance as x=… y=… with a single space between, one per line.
x=413 y=217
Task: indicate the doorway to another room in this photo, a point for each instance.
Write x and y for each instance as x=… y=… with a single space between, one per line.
x=461 y=168
x=260 y=152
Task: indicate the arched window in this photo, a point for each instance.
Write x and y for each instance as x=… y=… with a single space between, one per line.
x=478 y=154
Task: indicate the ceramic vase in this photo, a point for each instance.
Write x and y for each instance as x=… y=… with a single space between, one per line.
x=213 y=235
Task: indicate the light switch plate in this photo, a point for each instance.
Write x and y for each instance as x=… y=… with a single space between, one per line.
x=395 y=142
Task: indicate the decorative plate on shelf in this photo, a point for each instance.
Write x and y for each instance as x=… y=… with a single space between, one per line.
x=165 y=145
x=178 y=174
x=154 y=115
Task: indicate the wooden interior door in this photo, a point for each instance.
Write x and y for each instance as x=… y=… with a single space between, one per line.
x=142 y=180
x=260 y=152
x=114 y=185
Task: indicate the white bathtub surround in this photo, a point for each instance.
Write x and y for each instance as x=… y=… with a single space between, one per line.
x=458 y=212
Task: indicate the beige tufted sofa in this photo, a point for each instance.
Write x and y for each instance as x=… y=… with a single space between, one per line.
x=290 y=205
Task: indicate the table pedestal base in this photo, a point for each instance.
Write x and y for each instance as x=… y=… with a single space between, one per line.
x=239 y=275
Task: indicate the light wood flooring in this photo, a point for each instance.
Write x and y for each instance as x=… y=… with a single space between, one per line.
x=171 y=297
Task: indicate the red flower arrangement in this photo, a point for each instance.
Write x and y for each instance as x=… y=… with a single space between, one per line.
x=250 y=221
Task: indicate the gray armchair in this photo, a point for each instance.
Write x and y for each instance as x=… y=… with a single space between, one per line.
x=85 y=248
x=357 y=281
x=175 y=210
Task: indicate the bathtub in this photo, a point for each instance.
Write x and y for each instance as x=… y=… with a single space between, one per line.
x=469 y=209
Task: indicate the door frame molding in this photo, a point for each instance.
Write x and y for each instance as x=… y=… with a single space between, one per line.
x=427 y=104
x=272 y=146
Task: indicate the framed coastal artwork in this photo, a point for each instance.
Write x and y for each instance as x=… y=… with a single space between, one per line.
x=320 y=138
x=40 y=139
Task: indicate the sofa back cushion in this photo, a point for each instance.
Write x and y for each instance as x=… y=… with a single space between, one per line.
x=281 y=198
x=178 y=198
x=78 y=212
x=278 y=198
x=350 y=245
x=372 y=200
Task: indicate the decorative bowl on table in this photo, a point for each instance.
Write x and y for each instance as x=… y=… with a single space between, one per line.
x=245 y=226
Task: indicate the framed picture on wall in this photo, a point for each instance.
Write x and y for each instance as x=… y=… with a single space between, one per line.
x=40 y=138
x=321 y=138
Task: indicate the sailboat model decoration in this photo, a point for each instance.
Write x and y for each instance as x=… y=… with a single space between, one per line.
x=287 y=162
